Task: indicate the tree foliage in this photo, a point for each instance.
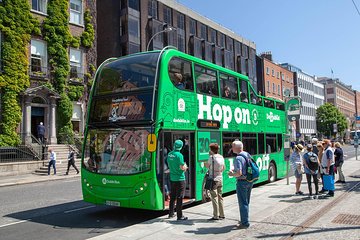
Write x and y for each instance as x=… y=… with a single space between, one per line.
x=326 y=116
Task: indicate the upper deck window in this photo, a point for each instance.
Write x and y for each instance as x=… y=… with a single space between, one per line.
x=180 y=73
x=206 y=81
x=127 y=74
x=228 y=86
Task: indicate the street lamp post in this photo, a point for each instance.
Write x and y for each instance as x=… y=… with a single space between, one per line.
x=168 y=29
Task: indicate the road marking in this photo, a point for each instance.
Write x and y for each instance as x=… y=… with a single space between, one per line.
x=79 y=209
x=13 y=223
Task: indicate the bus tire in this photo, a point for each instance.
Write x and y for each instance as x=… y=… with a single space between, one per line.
x=272 y=172
x=205 y=193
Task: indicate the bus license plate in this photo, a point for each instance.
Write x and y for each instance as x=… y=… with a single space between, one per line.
x=112 y=203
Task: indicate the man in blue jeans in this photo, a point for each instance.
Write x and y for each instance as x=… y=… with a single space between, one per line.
x=243 y=187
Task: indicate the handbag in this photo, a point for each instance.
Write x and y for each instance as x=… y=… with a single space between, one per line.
x=300 y=168
x=209 y=182
x=329 y=182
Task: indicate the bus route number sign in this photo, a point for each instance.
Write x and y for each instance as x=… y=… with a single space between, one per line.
x=208 y=124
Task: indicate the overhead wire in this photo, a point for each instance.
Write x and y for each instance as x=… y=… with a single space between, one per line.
x=356 y=7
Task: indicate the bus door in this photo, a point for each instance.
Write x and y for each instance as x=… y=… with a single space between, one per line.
x=187 y=150
x=166 y=141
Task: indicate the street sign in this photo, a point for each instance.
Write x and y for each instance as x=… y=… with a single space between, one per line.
x=293 y=106
x=357 y=118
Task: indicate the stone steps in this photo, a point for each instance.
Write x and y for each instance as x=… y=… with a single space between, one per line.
x=62 y=152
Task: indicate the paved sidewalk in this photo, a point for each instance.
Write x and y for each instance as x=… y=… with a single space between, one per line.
x=275 y=213
x=33 y=178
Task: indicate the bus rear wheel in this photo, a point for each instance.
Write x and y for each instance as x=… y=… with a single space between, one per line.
x=272 y=172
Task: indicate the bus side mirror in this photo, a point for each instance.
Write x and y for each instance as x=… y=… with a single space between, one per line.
x=151 y=142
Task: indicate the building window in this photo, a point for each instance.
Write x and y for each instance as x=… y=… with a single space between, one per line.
x=38 y=5
x=134 y=29
x=267 y=71
x=181 y=21
x=229 y=43
x=268 y=86
x=213 y=36
x=134 y=4
x=192 y=27
x=181 y=39
x=279 y=90
x=167 y=16
x=277 y=75
x=273 y=88
x=75 y=64
x=38 y=58
x=153 y=8
x=330 y=90
x=203 y=32
x=222 y=40
x=273 y=72
x=76 y=11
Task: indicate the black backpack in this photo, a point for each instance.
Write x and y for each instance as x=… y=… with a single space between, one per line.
x=313 y=163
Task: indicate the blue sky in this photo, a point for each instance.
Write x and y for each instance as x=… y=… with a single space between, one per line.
x=314 y=35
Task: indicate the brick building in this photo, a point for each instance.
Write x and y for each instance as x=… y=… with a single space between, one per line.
x=341 y=96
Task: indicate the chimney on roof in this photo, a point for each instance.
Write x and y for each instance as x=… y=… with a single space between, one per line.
x=267 y=55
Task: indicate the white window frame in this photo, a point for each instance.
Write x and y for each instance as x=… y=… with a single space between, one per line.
x=38 y=52
x=268 y=85
x=42 y=5
x=76 y=12
x=76 y=60
x=267 y=71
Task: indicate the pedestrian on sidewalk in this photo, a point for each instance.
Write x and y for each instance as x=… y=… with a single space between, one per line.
x=243 y=187
x=296 y=164
x=41 y=132
x=52 y=161
x=177 y=168
x=71 y=161
x=216 y=167
x=328 y=163
x=339 y=161
x=314 y=143
x=311 y=167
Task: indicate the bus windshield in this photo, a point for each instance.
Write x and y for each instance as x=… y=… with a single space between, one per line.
x=124 y=90
x=117 y=151
x=127 y=74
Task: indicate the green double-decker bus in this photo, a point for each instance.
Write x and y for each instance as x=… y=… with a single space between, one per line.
x=141 y=103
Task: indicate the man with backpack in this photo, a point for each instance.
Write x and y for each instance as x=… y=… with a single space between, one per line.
x=311 y=166
x=245 y=180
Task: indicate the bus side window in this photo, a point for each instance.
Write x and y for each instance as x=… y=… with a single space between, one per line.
x=270 y=143
x=244 y=95
x=180 y=73
x=250 y=142
x=280 y=106
x=206 y=81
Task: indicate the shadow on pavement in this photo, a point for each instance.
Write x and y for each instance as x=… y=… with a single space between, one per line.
x=88 y=216
x=212 y=230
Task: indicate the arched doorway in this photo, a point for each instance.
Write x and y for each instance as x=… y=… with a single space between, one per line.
x=37 y=113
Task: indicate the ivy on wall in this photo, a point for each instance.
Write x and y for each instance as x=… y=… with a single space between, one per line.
x=16 y=25
x=57 y=34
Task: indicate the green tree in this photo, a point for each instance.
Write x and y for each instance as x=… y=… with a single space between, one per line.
x=326 y=116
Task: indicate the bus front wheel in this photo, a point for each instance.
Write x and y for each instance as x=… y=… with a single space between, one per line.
x=272 y=172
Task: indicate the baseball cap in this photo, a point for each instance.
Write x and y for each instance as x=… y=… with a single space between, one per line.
x=178 y=144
